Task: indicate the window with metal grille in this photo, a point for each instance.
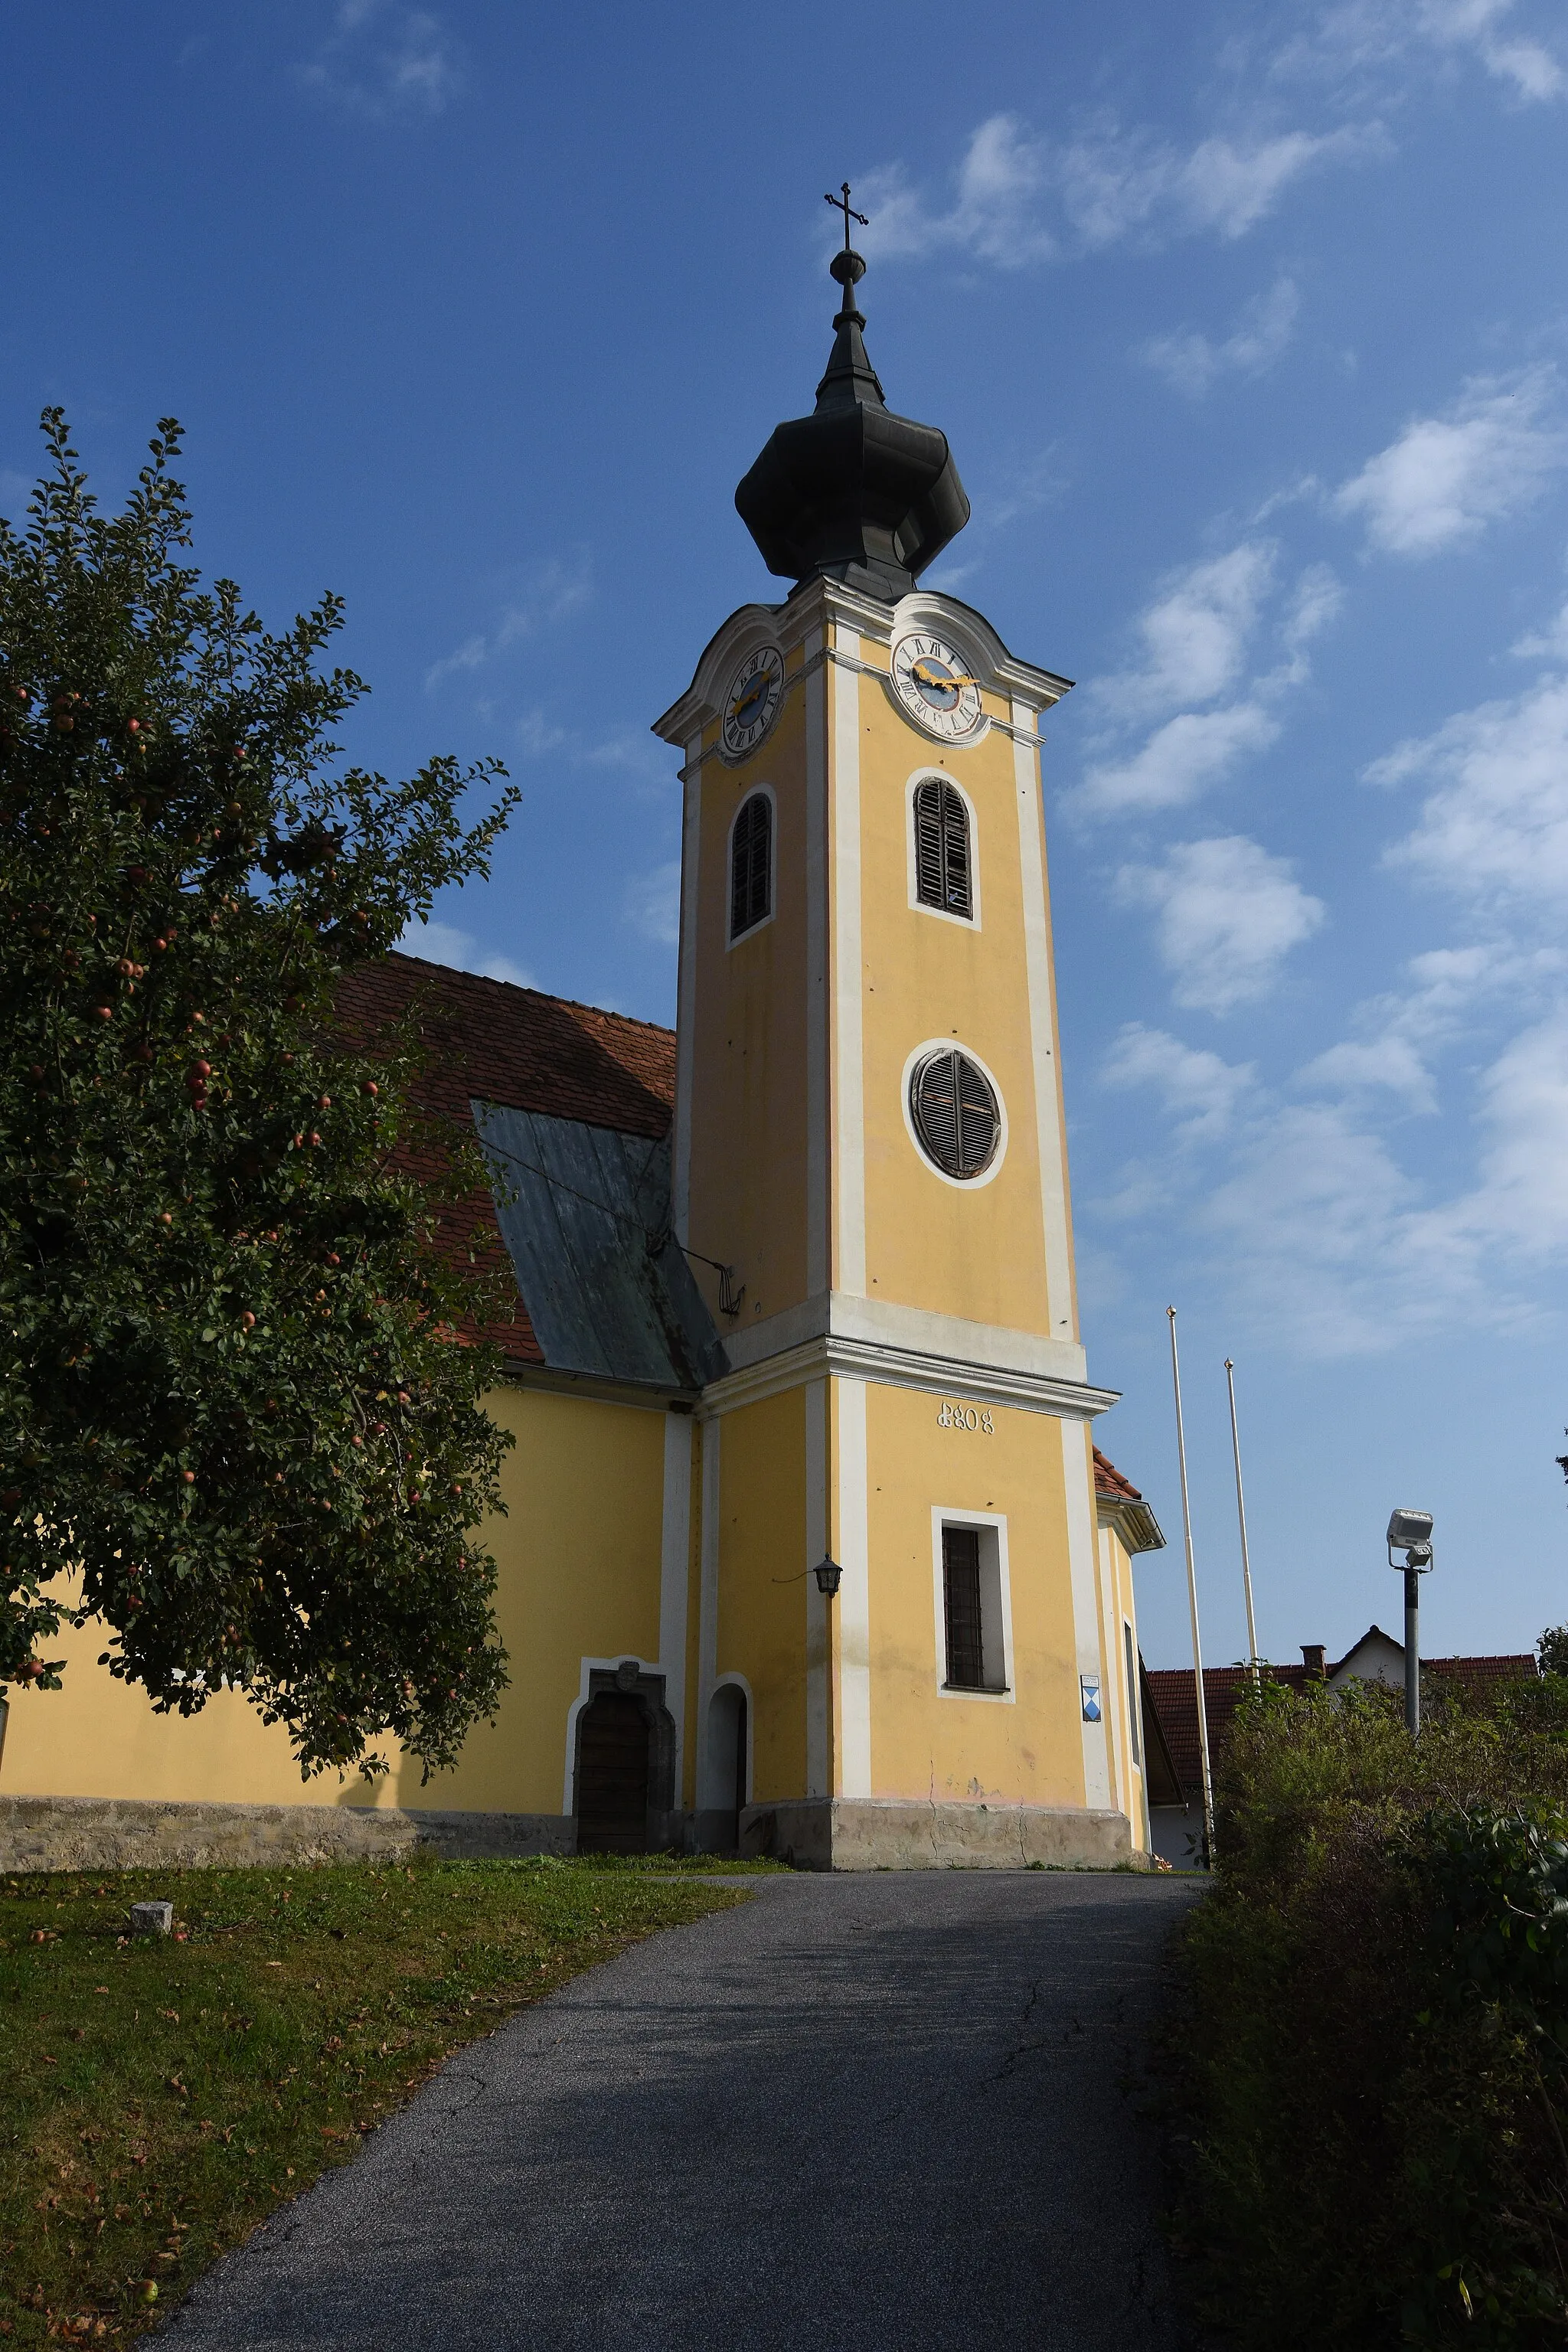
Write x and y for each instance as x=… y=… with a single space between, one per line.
x=751 y=865
x=955 y=1113
x=941 y=848
x=961 y=1596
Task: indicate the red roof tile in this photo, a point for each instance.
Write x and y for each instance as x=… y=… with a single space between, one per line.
x=1174 y=1693
x=1108 y=1480
x=521 y=1048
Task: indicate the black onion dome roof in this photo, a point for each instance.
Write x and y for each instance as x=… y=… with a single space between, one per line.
x=852 y=492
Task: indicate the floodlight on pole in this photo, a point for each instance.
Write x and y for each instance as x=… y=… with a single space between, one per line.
x=1410 y=1533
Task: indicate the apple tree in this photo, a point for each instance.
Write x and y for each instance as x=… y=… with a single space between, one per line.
x=241 y=1389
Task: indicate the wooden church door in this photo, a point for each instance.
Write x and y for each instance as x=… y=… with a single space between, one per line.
x=612 y=1773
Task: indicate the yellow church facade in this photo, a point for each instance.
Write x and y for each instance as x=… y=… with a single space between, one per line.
x=808 y=1550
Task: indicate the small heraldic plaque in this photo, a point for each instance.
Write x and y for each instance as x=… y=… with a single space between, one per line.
x=1089 y=1686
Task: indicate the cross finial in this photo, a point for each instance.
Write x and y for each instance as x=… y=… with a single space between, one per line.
x=841 y=203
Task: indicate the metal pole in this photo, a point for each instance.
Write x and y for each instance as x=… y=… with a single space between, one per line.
x=1192 y=1600
x=1241 y=1523
x=1412 y=1649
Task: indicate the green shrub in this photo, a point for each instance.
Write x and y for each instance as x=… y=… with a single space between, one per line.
x=1375 y=2054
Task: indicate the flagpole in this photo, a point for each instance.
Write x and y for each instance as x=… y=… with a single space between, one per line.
x=1193 y=1601
x=1241 y=1523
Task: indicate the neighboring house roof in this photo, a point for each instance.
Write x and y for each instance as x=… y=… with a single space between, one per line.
x=1173 y=1695
x=576 y=1107
x=1121 y=1506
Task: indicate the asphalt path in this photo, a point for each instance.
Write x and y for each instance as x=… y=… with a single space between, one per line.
x=882 y=2113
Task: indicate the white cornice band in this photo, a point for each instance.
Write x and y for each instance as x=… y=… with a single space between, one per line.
x=961 y=1379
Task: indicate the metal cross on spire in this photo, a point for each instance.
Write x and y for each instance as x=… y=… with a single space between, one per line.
x=841 y=203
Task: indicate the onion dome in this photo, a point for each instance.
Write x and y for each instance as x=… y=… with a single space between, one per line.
x=852 y=492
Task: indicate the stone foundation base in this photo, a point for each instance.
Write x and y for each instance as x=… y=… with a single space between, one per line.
x=894 y=1834
x=133 y=1834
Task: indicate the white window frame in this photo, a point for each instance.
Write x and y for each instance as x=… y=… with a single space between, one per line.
x=947 y=1045
x=928 y=775
x=1134 y=1695
x=733 y=939
x=995 y=1590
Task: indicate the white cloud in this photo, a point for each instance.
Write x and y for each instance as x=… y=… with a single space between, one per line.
x=1496 y=827
x=1192 y=362
x=552 y=592
x=1019 y=198
x=382 y=59
x=1196 y=631
x=1315 y=600
x=1196 y=636
x=1446 y=477
x=444 y=943
x=1374 y=35
x=1228 y=914
x=1179 y=761
x=537 y=736
x=1309 y=1230
x=1196 y=1088
x=1551 y=643
x=1387 y=1065
x=651 y=903
x=1520 y=1202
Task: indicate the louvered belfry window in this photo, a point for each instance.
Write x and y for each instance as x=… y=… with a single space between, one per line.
x=751 y=865
x=956 y=1112
x=942 y=849
x=965 y=1625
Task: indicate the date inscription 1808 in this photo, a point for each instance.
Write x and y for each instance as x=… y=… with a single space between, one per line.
x=966 y=1416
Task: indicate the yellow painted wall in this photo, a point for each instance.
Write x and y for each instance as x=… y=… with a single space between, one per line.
x=579 y=1558
x=749 y=1007
x=977 y=1253
x=926 y=1743
x=762 y=1588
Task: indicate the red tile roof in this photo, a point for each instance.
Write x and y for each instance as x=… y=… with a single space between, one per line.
x=1173 y=1691
x=517 y=1047
x=520 y=1047
x=1108 y=1480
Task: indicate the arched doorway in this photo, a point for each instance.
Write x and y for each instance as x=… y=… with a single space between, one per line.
x=614 y=1772
x=725 y=1778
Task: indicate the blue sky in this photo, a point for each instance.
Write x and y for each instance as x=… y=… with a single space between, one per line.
x=1248 y=326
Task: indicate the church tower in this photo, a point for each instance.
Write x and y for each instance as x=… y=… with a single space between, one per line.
x=870 y=1180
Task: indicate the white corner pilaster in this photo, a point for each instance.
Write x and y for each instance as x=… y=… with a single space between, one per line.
x=816 y=1608
x=708 y=1584
x=686 y=989
x=847 y=1076
x=1051 y=1141
x=819 y=1177
x=854 y=1602
x=1081 y=1549
x=674 y=1574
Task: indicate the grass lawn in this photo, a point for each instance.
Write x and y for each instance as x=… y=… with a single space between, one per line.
x=159 y=2097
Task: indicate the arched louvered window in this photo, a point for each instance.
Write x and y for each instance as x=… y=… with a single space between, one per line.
x=942 y=865
x=751 y=865
x=956 y=1112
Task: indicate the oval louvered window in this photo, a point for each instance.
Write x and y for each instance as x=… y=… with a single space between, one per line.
x=751 y=865
x=941 y=848
x=957 y=1114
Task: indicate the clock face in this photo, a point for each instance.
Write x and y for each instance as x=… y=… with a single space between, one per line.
x=934 y=683
x=751 y=704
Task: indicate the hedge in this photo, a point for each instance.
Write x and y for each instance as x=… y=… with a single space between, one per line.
x=1374 y=2053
